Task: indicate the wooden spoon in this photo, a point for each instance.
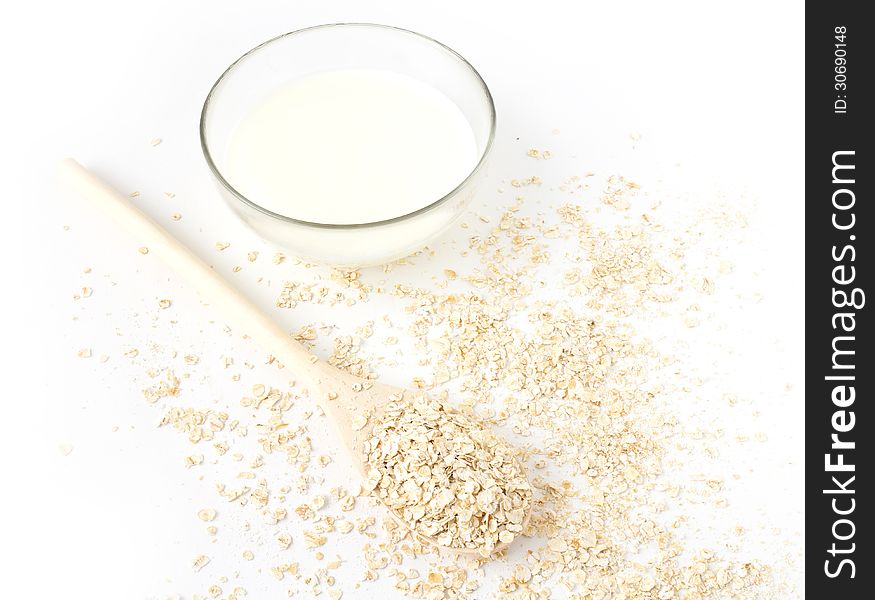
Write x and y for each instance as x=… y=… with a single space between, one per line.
x=352 y=404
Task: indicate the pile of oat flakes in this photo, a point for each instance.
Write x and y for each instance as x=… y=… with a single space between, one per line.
x=530 y=328
x=445 y=477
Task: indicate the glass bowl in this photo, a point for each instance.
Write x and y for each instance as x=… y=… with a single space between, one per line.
x=346 y=46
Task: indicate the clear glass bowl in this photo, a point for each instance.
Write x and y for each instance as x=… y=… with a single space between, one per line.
x=346 y=46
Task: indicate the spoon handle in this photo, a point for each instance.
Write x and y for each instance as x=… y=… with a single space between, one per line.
x=319 y=377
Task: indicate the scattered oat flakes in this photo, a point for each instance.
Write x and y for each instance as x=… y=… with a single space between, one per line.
x=199 y=562
x=206 y=514
x=576 y=372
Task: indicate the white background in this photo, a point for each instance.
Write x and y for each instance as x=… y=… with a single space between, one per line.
x=716 y=88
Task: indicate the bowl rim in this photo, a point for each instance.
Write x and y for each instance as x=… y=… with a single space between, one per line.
x=443 y=199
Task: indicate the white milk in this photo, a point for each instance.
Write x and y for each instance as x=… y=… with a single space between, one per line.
x=351 y=146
